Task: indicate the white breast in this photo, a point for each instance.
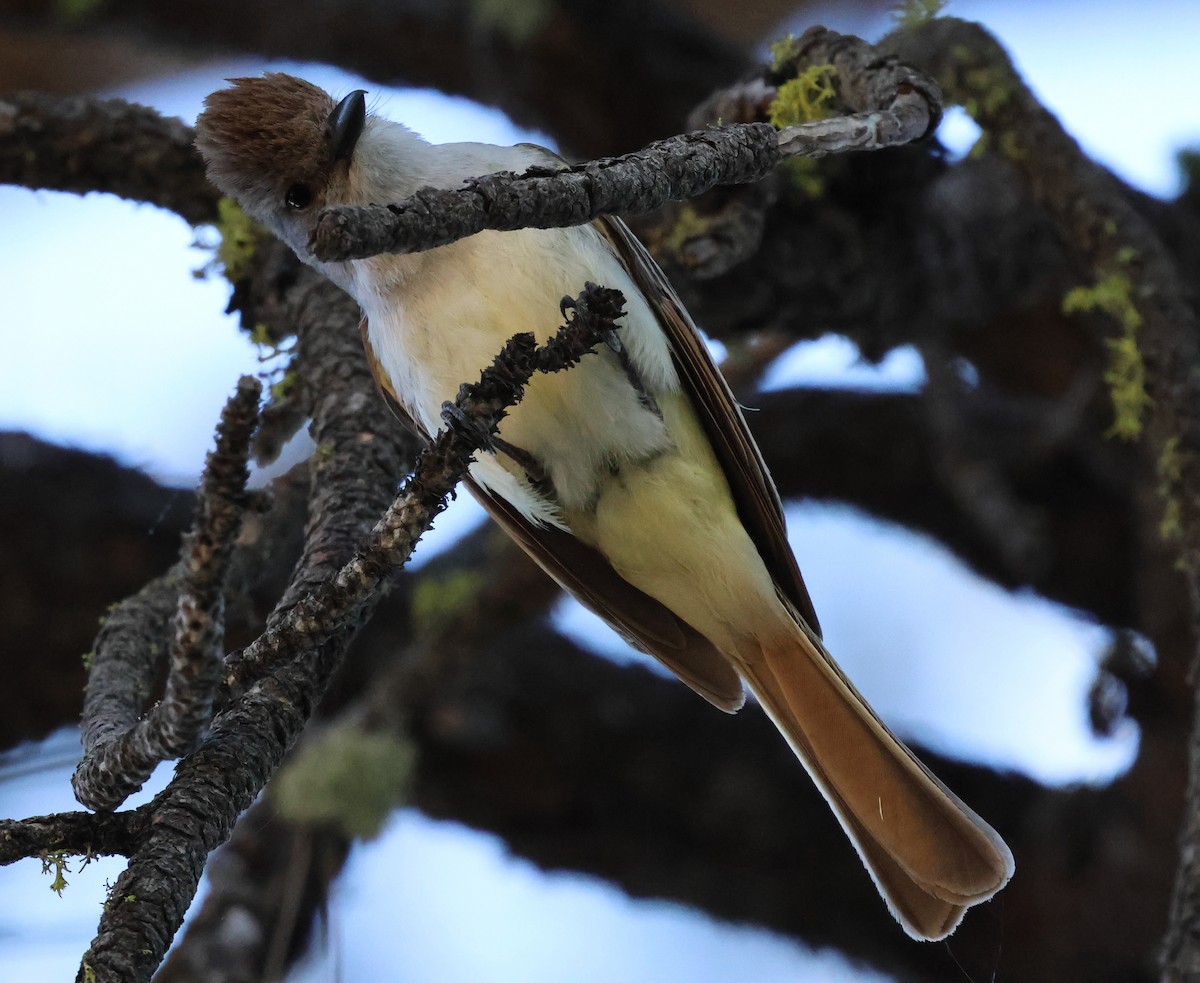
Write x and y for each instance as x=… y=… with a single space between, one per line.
x=437 y=318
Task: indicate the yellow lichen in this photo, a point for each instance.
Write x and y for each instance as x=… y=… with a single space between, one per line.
x=807 y=97
x=1126 y=372
x=74 y=10
x=348 y=779
x=782 y=51
x=804 y=174
x=437 y=602
x=56 y=860
x=279 y=390
x=240 y=237
x=913 y=12
x=1170 y=476
x=688 y=224
x=518 y=20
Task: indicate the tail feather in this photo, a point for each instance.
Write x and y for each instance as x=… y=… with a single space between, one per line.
x=930 y=856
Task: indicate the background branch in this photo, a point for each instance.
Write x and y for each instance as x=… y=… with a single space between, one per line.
x=966 y=259
x=122 y=742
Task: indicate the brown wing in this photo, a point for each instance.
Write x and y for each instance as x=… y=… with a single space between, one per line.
x=753 y=490
x=384 y=384
x=584 y=573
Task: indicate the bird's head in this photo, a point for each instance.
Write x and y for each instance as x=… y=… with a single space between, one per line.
x=283 y=149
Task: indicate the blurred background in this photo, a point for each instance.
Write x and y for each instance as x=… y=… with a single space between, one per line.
x=115 y=345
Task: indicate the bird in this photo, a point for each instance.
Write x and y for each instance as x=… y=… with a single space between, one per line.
x=632 y=480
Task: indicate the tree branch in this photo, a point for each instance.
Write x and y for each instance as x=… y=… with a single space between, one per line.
x=1153 y=356
x=249 y=737
x=121 y=748
x=81 y=144
x=472 y=420
x=84 y=834
x=539 y=69
x=896 y=104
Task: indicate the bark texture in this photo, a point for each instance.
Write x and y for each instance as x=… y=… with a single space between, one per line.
x=1005 y=456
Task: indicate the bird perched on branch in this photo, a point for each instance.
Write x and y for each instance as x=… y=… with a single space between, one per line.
x=632 y=479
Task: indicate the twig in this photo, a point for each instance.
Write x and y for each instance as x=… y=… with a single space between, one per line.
x=76 y=833
x=473 y=418
x=249 y=738
x=121 y=750
x=896 y=104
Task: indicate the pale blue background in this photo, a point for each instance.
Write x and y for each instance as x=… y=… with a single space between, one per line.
x=118 y=348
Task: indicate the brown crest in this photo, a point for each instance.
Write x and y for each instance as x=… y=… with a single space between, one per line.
x=264 y=134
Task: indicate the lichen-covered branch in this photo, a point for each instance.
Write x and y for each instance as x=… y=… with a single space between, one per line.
x=1135 y=280
x=640 y=64
x=82 y=144
x=895 y=248
x=1154 y=352
x=896 y=105
x=84 y=834
x=249 y=737
x=120 y=753
x=550 y=197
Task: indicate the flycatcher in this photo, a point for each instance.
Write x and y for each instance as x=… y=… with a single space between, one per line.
x=632 y=479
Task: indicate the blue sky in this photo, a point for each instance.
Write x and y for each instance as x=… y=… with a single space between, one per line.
x=121 y=349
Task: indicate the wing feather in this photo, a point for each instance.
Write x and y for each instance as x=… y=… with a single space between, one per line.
x=753 y=490
x=584 y=573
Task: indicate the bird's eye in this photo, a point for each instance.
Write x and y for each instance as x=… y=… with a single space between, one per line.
x=298 y=196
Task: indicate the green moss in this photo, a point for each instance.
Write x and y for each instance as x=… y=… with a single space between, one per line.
x=348 y=778
x=985 y=89
x=88 y=658
x=1126 y=371
x=240 y=237
x=1170 y=462
x=807 y=97
x=913 y=12
x=1126 y=378
x=518 y=20
x=436 y=602
x=1170 y=526
x=981 y=146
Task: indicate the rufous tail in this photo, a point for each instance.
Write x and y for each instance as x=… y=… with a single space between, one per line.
x=930 y=856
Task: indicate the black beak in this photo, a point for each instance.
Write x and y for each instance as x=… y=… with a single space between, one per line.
x=346 y=124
